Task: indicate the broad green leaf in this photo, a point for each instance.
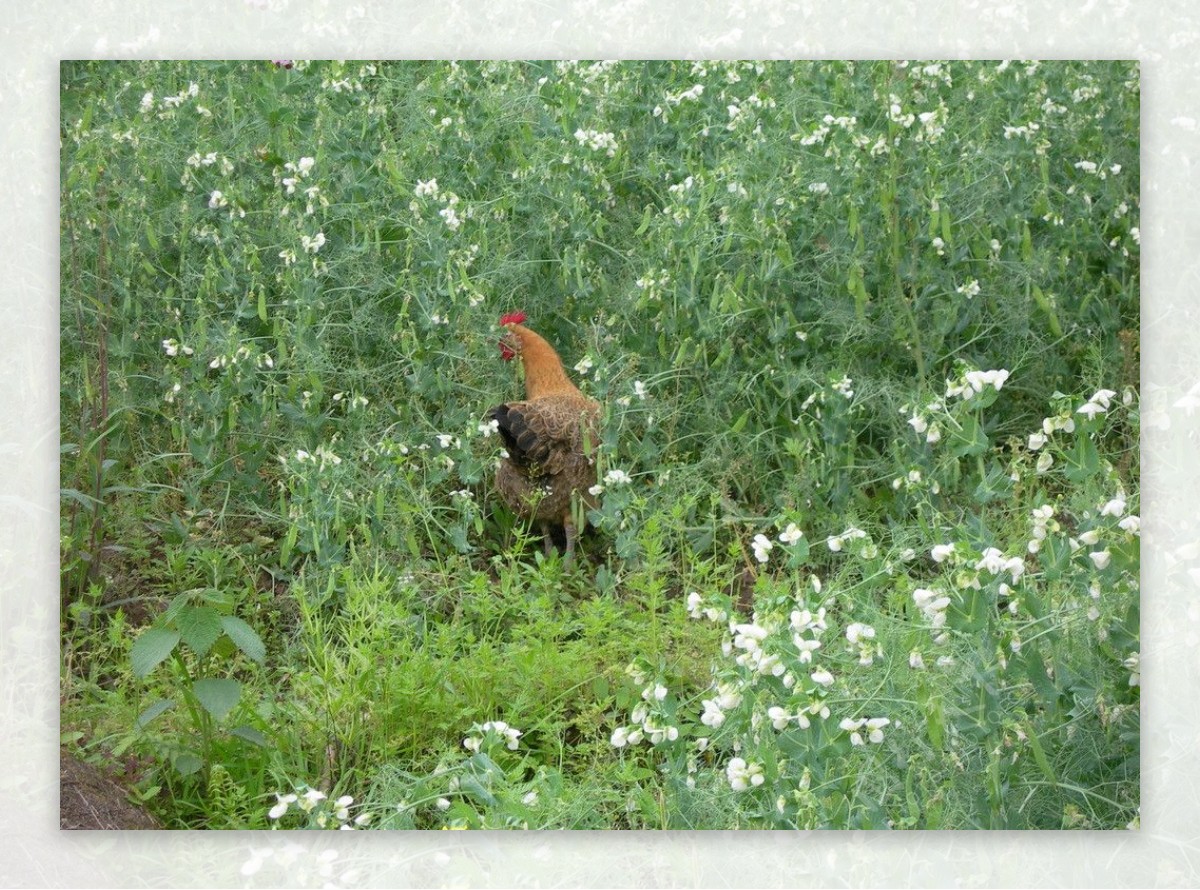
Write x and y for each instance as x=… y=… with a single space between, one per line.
x=250 y=734
x=199 y=626
x=151 y=648
x=218 y=696
x=153 y=711
x=244 y=637
x=187 y=764
x=1082 y=461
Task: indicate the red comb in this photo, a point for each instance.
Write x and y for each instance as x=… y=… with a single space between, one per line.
x=512 y=318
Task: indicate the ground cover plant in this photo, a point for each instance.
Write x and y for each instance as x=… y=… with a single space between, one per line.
x=865 y=552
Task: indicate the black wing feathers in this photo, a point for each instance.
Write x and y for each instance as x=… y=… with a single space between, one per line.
x=524 y=445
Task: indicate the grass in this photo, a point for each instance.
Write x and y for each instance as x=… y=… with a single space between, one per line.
x=283 y=564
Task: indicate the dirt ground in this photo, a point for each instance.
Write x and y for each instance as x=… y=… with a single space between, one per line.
x=90 y=799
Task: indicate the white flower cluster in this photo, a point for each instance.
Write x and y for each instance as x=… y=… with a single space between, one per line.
x=995 y=562
x=689 y=95
x=299 y=171
x=1099 y=403
x=728 y=696
x=860 y=636
x=1043 y=523
x=323 y=458
x=743 y=775
x=1097 y=170
x=696 y=609
x=931 y=431
x=240 y=355
x=837 y=542
x=933 y=604
x=173 y=348
x=499 y=728
x=971 y=383
x=170 y=102
x=617 y=477
x=597 y=141
x=827 y=123
x=645 y=723
x=969 y=290
x=873 y=725
x=429 y=189
x=314 y=243
x=749 y=639
x=1024 y=131
x=762 y=545
x=312 y=800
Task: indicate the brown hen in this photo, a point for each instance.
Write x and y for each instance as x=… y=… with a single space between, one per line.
x=550 y=438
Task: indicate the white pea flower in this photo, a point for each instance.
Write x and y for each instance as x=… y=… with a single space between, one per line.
x=1045 y=462
x=617 y=477
x=1115 y=507
x=1133 y=663
x=806 y=648
x=281 y=807
x=713 y=715
x=762 y=547
x=791 y=534
x=310 y=799
x=742 y=775
x=1131 y=524
x=1037 y=440
x=942 y=552
x=858 y=633
x=822 y=677
x=1100 y=558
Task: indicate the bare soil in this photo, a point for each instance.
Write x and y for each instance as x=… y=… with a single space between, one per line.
x=91 y=799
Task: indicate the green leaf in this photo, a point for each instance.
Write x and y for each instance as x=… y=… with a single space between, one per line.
x=244 y=638
x=250 y=734
x=472 y=787
x=186 y=764
x=1039 y=755
x=199 y=626
x=218 y=696
x=151 y=648
x=153 y=711
x=971 y=439
x=1082 y=461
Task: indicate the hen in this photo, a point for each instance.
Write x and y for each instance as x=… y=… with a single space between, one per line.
x=549 y=437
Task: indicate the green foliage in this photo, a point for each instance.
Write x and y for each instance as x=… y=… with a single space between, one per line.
x=844 y=319
x=195 y=639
